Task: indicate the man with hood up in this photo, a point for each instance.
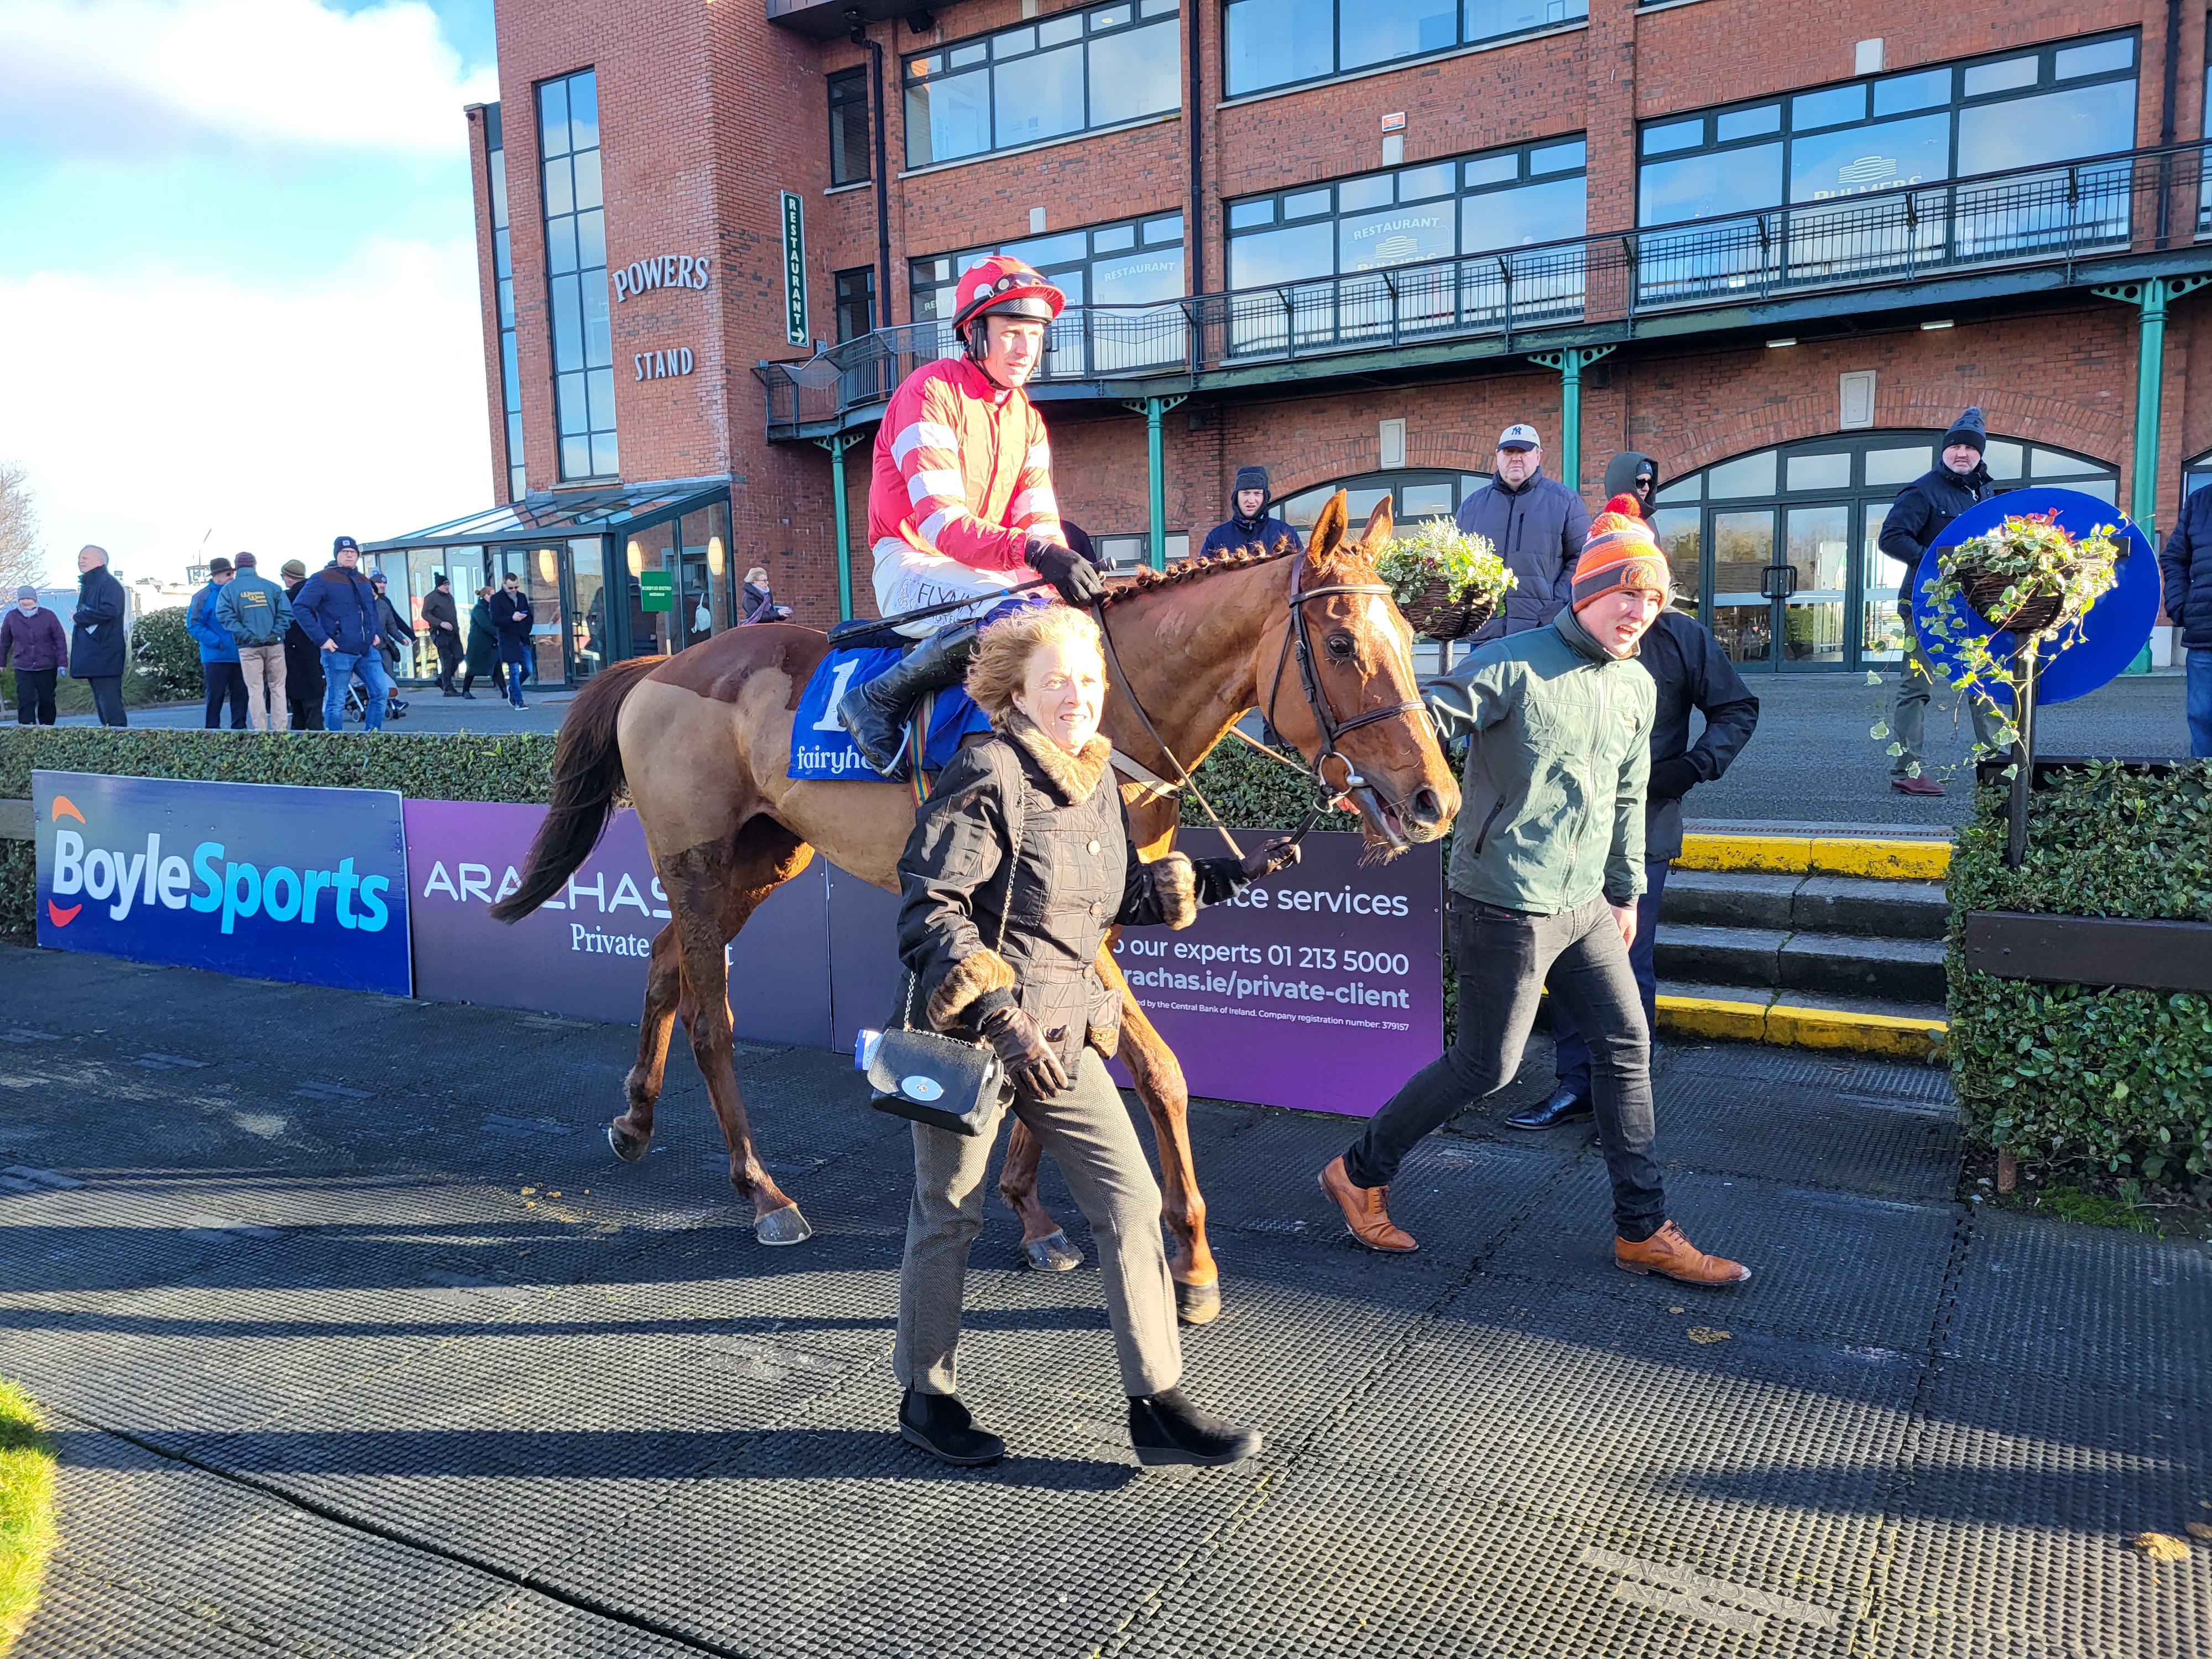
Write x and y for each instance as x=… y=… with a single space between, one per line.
x=1924 y=509
x=1249 y=525
x=1633 y=473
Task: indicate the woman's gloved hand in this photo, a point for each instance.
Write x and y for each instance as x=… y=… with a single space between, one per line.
x=1030 y=1061
x=1278 y=854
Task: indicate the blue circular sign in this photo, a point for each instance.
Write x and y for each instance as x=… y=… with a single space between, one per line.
x=2114 y=632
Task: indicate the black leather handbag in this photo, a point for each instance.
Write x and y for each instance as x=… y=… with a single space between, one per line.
x=946 y=1082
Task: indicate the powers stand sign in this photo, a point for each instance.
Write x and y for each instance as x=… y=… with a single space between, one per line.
x=1320 y=988
x=258 y=879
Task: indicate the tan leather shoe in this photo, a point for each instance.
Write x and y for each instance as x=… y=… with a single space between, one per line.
x=1667 y=1252
x=1366 y=1210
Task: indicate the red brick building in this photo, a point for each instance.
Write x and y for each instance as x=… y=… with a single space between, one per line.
x=1778 y=248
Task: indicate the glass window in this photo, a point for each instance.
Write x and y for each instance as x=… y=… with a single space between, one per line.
x=2004 y=460
x=1037 y=82
x=850 y=159
x=1709 y=186
x=1273 y=43
x=518 y=483
x=2051 y=463
x=576 y=264
x=1860 y=138
x=1897 y=466
x=1820 y=471
x=1901 y=93
x=1753 y=475
x=1115 y=240
x=1167 y=228
x=1985 y=78
x=1499 y=206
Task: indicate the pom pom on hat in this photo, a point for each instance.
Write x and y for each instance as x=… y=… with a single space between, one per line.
x=1620 y=553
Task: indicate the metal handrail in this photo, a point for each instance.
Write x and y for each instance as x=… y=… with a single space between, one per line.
x=2053 y=213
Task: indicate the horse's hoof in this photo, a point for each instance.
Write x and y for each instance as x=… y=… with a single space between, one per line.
x=627 y=1147
x=1197 y=1305
x=1052 y=1253
x=783 y=1226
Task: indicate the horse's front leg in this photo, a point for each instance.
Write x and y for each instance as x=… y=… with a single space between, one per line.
x=1158 y=1079
x=1045 y=1242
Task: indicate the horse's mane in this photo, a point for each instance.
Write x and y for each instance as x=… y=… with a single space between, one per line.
x=1193 y=570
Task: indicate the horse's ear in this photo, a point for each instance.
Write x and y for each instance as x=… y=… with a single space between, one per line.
x=1330 y=529
x=1379 y=528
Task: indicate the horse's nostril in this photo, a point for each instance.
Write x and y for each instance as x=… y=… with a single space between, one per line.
x=1426 y=807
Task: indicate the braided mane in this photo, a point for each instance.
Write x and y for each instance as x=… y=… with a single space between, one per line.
x=1149 y=581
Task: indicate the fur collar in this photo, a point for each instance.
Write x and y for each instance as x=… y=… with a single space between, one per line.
x=1074 y=778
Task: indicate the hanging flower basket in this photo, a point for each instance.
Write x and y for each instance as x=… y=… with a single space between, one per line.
x=2028 y=576
x=1447 y=583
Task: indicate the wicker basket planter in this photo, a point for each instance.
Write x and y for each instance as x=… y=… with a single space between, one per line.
x=2039 y=613
x=1434 y=615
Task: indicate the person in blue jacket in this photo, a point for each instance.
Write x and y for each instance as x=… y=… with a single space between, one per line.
x=1536 y=524
x=219 y=669
x=337 y=610
x=1249 y=523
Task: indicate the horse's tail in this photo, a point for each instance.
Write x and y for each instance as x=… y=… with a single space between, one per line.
x=587 y=774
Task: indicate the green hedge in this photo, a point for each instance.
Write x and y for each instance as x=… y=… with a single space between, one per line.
x=169 y=655
x=2074 y=1073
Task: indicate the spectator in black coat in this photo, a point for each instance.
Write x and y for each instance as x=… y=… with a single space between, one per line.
x=1249 y=523
x=31 y=642
x=760 y=606
x=442 y=617
x=2186 y=566
x=1536 y=524
x=483 y=644
x=1632 y=472
x=99 y=635
x=1924 y=509
x=393 y=631
x=510 y=614
x=303 y=660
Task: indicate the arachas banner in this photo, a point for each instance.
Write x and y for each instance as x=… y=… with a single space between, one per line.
x=262 y=880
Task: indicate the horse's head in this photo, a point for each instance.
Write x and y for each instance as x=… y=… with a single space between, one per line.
x=1336 y=679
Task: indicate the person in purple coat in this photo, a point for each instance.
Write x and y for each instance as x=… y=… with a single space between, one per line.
x=33 y=643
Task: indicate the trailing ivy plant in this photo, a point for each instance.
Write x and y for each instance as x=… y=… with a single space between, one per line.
x=1467 y=563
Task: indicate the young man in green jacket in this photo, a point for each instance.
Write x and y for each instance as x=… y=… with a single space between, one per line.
x=1545 y=874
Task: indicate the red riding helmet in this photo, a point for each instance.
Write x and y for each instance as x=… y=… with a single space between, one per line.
x=1002 y=286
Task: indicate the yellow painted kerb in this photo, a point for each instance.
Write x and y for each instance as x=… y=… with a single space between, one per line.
x=1826 y=855
x=1801 y=1027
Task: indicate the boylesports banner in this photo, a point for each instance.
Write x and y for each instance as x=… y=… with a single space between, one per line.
x=262 y=880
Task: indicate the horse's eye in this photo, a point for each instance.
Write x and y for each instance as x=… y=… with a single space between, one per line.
x=1340 y=647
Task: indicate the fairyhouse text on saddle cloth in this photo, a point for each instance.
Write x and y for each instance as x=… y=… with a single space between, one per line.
x=1318 y=989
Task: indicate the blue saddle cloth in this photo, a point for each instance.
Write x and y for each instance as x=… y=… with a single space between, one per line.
x=819 y=747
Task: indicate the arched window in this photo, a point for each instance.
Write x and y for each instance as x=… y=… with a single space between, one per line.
x=1781 y=547
x=1415 y=493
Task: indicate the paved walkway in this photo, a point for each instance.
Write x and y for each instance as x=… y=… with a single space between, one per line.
x=363 y=1345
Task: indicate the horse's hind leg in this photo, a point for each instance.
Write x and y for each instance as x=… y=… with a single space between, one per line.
x=713 y=891
x=1045 y=1243
x=1158 y=1076
x=632 y=1132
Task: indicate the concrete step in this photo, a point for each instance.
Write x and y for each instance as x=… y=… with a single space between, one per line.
x=1805 y=903
x=1762 y=1013
x=1831 y=964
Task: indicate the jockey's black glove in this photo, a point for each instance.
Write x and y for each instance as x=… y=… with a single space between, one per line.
x=1278 y=854
x=1073 y=576
x=1030 y=1061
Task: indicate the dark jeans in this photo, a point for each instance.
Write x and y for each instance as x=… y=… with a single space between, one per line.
x=1503 y=958
x=225 y=680
x=34 y=696
x=1572 y=1056
x=449 y=655
x=107 y=698
x=307 y=711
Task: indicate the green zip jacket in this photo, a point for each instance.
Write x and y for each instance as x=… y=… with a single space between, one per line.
x=1551 y=807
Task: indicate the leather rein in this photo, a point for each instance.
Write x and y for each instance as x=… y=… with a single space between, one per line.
x=1297 y=636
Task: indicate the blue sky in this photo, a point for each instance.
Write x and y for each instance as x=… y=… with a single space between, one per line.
x=237 y=262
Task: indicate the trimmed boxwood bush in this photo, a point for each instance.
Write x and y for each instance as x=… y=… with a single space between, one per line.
x=167 y=656
x=2072 y=1074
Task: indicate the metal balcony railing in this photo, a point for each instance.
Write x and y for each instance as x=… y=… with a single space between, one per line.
x=2041 y=216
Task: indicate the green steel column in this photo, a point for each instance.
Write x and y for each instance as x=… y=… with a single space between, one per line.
x=837 y=446
x=1571 y=363
x=2150 y=298
x=1156 y=552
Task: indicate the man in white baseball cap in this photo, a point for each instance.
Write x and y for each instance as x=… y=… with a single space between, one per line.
x=1537 y=525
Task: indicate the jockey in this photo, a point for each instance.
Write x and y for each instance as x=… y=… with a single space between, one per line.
x=961 y=502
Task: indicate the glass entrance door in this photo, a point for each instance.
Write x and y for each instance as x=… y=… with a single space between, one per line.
x=1742 y=603
x=1812 y=584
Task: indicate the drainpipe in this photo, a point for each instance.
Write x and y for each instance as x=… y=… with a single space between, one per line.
x=2150 y=298
x=882 y=202
x=2165 y=117
x=1193 y=239
x=1571 y=363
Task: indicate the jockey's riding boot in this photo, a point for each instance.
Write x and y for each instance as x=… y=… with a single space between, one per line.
x=875 y=714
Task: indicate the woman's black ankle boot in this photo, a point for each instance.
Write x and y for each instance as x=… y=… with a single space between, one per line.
x=1166 y=1428
x=940 y=1425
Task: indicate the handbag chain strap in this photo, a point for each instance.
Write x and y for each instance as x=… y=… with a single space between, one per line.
x=1018 y=816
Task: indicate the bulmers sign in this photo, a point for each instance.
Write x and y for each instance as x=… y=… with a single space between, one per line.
x=1320 y=988
x=257 y=880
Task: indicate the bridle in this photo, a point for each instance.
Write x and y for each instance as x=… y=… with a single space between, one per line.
x=1298 y=635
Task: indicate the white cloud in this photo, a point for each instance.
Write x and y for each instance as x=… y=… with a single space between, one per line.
x=152 y=409
x=111 y=75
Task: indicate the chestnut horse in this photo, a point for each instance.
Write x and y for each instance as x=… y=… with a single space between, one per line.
x=701 y=742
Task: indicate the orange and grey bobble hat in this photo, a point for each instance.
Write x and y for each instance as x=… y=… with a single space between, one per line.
x=1620 y=553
